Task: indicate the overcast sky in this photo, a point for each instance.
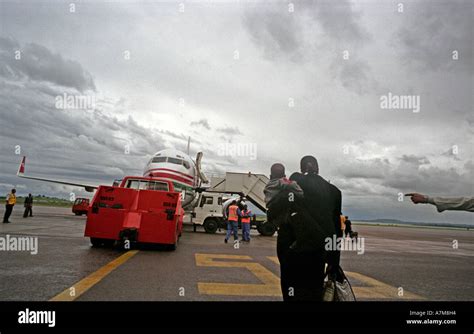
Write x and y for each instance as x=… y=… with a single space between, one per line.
x=288 y=80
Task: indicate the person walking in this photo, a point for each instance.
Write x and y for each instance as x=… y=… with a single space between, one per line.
x=245 y=220
x=232 y=222
x=304 y=266
x=28 y=206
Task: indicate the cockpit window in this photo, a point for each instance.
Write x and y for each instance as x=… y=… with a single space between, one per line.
x=175 y=161
x=158 y=159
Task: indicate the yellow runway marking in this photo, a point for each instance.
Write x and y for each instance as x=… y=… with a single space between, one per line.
x=270 y=286
x=378 y=289
x=85 y=284
x=375 y=289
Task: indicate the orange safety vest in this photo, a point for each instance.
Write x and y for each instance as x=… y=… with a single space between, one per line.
x=245 y=220
x=233 y=213
x=343 y=222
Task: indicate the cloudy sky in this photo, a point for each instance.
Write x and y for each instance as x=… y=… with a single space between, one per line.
x=288 y=80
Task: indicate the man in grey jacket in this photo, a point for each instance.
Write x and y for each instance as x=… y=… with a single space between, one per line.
x=444 y=203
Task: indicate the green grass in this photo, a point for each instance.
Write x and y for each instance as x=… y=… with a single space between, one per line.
x=43 y=201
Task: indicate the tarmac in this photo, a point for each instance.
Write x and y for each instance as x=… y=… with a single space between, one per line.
x=396 y=263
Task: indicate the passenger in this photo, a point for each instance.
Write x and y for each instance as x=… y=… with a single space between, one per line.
x=445 y=203
x=303 y=268
x=232 y=222
x=28 y=206
x=10 y=202
x=343 y=223
x=279 y=188
x=348 y=229
x=245 y=215
x=283 y=198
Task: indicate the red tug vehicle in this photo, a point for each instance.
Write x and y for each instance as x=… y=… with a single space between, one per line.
x=81 y=206
x=139 y=210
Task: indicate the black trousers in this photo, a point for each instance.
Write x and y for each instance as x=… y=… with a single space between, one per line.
x=8 y=212
x=301 y=274
x=28 y=210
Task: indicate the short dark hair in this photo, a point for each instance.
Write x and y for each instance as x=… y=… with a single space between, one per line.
x=13 y=190
x=277 y=171
x=309 y=164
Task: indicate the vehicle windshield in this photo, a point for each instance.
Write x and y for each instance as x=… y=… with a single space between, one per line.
x=147 y=185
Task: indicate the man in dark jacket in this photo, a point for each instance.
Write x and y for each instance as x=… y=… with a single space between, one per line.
x=303 y=253
x=28 y=206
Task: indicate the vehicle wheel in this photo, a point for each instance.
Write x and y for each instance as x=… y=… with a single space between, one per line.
x=96 y=242
x=210 y=225
x=267 y=229
x=77 y=213
x=108 y=242
x=174 y=246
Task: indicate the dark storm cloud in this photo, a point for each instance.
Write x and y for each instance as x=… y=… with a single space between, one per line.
x=416 y=160
x=353 y=75
x=274 y=29
x=280 y=34
x=432 y=32
x=202 y=122
x=433 y=181
x=370 y=169
x=411 y=173
x=338 y=19
x=39 y=64
x=231 y=131
x=91 y=145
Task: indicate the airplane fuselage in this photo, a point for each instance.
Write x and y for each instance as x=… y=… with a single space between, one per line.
x=177 y=167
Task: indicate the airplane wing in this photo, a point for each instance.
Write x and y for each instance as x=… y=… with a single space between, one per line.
x=21 y=173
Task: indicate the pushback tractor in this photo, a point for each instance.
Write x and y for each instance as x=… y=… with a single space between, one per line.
x=140 y=210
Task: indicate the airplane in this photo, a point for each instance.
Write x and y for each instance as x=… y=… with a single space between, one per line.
x=168 y=164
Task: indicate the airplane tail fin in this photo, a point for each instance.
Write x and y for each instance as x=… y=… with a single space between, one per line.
x=21 y=168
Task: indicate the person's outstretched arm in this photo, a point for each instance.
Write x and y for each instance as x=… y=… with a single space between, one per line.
x=445 y=203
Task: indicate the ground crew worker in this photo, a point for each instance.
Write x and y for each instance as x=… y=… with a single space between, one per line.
x=28 y=206
x=10 y=201
x=232 y=222
x=245 y=220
